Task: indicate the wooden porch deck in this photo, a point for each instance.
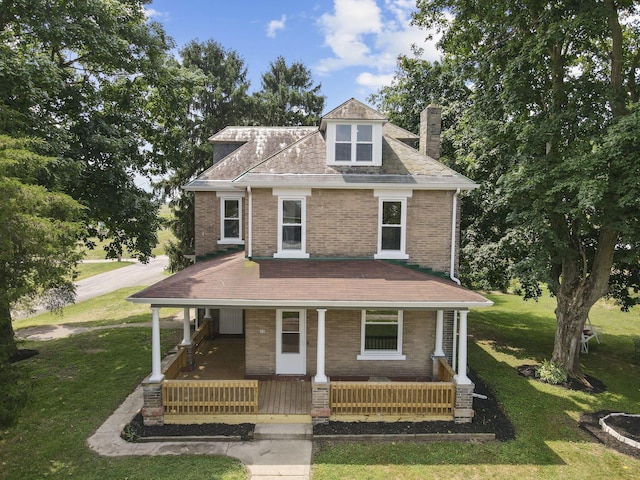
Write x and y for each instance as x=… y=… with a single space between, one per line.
x=223 y=359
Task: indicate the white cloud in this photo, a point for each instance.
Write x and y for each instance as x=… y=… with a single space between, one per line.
x=275 y=25
x=152 y=13
x=371 y=33
x=374 y=82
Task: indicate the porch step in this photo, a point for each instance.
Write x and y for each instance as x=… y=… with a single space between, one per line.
x=282 y=431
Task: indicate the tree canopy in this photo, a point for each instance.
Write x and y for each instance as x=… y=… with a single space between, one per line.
x=550 y=130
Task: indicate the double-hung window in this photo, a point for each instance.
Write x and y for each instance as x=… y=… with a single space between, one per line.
x=392 y=224
x=292 y=232
x=230 y=218
x=381 y=335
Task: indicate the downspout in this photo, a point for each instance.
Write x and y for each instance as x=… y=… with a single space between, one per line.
x=250 y=223
x=454 y=219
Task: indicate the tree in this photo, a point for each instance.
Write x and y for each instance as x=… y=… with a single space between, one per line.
x=288 y=96
x=39 y=230
x=553 y=114
x=219 y=98
x=79 y=75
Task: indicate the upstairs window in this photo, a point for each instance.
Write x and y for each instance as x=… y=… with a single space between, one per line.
x=230 y=218
x=354 y=144
x=292 y=231
x=392 y=224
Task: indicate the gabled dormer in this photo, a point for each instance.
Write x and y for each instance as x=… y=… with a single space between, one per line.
x=353 y=133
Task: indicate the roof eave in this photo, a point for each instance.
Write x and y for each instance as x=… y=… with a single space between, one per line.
x=230 y=302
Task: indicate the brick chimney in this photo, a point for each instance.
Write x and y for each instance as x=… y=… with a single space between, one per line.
x=430 y=124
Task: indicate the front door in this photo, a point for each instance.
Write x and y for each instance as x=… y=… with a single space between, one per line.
x=291 y=342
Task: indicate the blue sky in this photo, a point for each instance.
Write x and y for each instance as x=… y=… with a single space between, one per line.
x=350 y=46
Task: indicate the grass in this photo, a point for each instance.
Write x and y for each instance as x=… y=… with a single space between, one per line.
x=109 y=309
x=74 y=385
x=549 y=443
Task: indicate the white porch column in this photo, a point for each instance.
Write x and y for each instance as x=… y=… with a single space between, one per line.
x=461 y=378
x=439 y=352
x=156 y=369
x=320 y=375
x=186 y=328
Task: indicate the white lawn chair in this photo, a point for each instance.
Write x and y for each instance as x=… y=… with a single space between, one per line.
x=588 y=333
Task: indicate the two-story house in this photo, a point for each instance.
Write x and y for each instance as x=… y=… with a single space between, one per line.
x=332 y=251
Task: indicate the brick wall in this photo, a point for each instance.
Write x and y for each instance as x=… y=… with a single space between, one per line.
x=260 y=348
x=344 y=223
x=342 y=344
x=207 y=223
x=429 y=229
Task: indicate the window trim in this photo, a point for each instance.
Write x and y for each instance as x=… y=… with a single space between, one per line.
x=381 y=354
x=393 y=196
x=376 y=142
x=301 y=195
x=223 y=197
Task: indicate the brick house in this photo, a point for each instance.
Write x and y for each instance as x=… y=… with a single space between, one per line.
x=332 y=251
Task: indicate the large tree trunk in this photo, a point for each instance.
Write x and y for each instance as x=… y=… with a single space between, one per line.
x=571 y=315
x=7 y=336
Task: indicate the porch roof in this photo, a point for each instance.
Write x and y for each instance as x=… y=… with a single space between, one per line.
x=235 y=281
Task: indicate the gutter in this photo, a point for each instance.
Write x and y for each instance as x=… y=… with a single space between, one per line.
x=454 y=219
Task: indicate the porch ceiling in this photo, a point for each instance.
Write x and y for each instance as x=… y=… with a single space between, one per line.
x=233 y=280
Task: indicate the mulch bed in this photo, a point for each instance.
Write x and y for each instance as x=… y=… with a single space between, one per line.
x=136 y=429
x=597 y=386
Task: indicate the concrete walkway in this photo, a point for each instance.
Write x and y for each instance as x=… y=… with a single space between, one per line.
x=265 y=459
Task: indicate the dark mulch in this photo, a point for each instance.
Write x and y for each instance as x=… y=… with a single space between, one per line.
x=597 y=386
x=627 y=426
x=22 y=354
x=489 y=418
x=136 y=429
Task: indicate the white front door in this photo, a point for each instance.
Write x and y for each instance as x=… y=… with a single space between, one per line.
x=291 y=342
x=231 y=321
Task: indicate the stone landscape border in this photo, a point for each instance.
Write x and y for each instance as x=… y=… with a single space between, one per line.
x=611 y=431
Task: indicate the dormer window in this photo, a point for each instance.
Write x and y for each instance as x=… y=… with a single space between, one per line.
x=354 y=143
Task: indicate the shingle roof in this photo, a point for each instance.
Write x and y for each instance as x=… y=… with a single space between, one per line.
x=353 y=109
x=232 y=280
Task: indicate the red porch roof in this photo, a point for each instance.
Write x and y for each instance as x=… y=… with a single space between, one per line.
x=233 y=280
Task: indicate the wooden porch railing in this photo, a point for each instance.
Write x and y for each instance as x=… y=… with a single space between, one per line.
x=221 y=397
x=178 y=362
x=392 y=398
x=445 y=372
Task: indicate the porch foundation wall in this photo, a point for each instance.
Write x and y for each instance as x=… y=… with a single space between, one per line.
x=152 y=409
x=463 y=410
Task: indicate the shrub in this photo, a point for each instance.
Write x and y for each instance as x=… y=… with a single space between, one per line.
x=550 y=372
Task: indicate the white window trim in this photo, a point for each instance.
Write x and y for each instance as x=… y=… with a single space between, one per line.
x=223 y=197
x=380 y=354
x=393 y=196
x=293 y=194
x=376 y=138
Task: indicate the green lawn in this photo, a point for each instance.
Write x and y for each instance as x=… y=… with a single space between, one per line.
x=74 y=385
x=110 y=309
x=549 y=443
